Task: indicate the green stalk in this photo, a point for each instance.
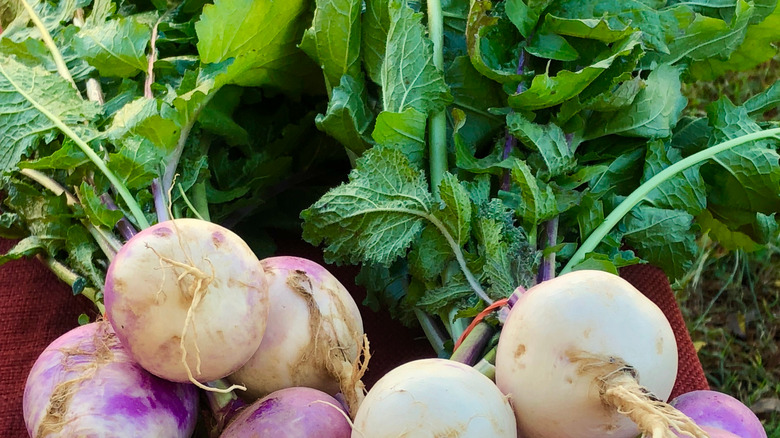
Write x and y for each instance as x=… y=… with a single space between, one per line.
x=437 y=134
x=639 y=194
x=59 y=61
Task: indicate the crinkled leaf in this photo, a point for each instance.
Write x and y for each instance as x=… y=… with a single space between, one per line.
x=456 y=208
x=487 y=33
x=653 y=113
x=533 y=200
x=27 y=247
x=764 y=101
x=546 y=91
x=262 y=40
x=620 y=176
x=25 y=93
x=376 y=216
x=429 y=254
x=46 y=217
x=336 y=38
x=664 y=237
x=440 y=298
x=82 y=251
x=388 y=288
x=404 y=131
x=549 y=141
x=136 y=163
x=720 y=232
x=144 y=118
x=590 y=215
x=348 y=117
x=408 y=76
x=115 y=47
x=67 y=156
x=683 y=191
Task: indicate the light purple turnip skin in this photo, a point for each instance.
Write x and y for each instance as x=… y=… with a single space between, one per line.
x=722 y=411
x=292 y=353
x=103 y=392
x=291 y=413
x=147 y=299
x=713 y=432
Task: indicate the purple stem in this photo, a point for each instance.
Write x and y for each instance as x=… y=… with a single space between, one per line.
x=547 y=268
x=223 y=407
x=125 y=228
x=511 y=141
x=159 y=201
x=470 y=351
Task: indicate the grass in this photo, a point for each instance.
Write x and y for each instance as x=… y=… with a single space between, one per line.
x=731 y=300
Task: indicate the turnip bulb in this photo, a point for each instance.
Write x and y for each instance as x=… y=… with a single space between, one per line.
x=189 y=300
x=715 y=409
x=85 y=384
x=314 y=336
x=434 y=398
x=291 y=413
x=586 y=355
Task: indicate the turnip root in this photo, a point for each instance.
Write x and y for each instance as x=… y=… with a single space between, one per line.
x=291 y=413
x=314 y=336
x=434 y=398
x=573 y=353
x=718 y=410
x=85 y=384
x=189 y=300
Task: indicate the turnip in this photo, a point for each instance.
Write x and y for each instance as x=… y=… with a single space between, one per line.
x=291 y=413
x=314 y=336
x=189 y=300
x=86 y=384
x=586 y=355
x=434 y=398
x=718 y=410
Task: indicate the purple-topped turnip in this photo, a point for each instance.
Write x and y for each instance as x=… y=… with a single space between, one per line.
x=189 y=300
x=85 y=384
x=291 y=413
x=314 y=335
x=718 y=410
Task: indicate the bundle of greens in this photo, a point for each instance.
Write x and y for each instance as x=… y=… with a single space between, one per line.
x=502 y=142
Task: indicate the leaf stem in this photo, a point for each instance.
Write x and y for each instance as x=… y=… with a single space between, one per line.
x=62 y=68
x=432 y=332
x=437 y=134
x=639 y=194
x=75 y=281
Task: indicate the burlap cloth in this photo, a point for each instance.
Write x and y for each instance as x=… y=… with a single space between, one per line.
x=36 y=308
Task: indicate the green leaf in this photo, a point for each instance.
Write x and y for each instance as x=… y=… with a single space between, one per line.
x=136 y=163
x=685 y=191
x=551 y=46
x=429 y=254
x=720 y=232
x=348 y=117
x=375 y=27
x=663 y=237
x=116 y=47
x=525 y=15
x=475 y=94
x=546 y=91
x=440 y=298
x=698 y=37
x=621 y=175
x=535 y=201
x=590 y=215
x=403 y=131
x=387 y=289
x=27 y=247
x=764 y=101
x=67 y=156
x=376 y=216
x=217 y=116
x=146 y=118
x=653 y=113
x=598 y=29
x=549 y=141
x=263 y=43
x=745 y=179
x=408 y=76
x=46 y=217
x=767 y=227
x=96 y=211
x=24 y=92
x=336 y=33
x=756 y=48
x=82 y=251
x=464 y=159
x=456 y=211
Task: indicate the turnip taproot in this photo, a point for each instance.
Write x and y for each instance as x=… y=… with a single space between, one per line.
x=291 y=413
x=573 y=353
x=314 y=336
x=722 y=411
x=434 y=398
x=85 y=384
x=189 y=300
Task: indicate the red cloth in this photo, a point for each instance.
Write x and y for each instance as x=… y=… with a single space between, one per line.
x=37 y=308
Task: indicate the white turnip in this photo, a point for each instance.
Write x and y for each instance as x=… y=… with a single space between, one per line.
x=434 y=398
x=314 y=335
x=291 y=413
x=189 y=300
x=85 y=384
x=573 y=353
